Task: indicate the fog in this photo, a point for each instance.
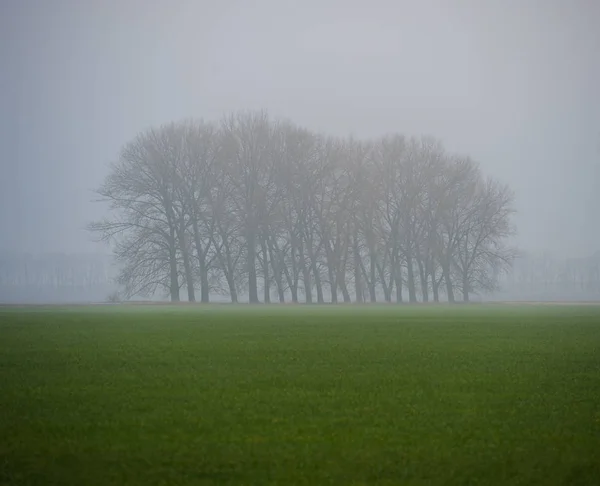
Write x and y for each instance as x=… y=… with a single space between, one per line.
x=513 y=84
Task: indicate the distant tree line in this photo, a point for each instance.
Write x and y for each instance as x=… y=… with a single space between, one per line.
x=264 y=208
x=545 y=277
x=55 y=277
x=56 y=270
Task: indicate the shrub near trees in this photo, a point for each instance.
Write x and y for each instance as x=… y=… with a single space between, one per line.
x=265 y=208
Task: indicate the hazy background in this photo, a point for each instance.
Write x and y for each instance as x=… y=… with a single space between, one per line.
x=513 y=83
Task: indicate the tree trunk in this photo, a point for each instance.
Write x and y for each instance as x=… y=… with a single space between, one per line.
x=230 y=275
x=435 y=287
x=318 y=284
x=305 y=274
x=357 y=280
x=204 y=286
x=334 y=293
x=331 y=271
x=412 y=294
x=187 y=265
x=204 y=289
x=332 y=284
x=315 y=271
x=173 y=270
x=341 y=277
x=251 y=256
x=399 y=285
x=174 y=283
x=465 y=289
x=390 y=292
x=189 y=276
x=424 y=282
x=232 y=289
x=293 y=285
x=387 y=290
x=277 y=274
x=373 y=280
x=293 y=278
x=446 y=274
x=280 y=291
x=344 y=289
x=265 y=266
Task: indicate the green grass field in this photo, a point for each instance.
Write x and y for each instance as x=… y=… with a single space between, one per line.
x=184 y=395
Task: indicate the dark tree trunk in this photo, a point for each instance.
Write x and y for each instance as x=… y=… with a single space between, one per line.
x=265 y=266
x=334 y=293
x=373 y=280
x=277 y=274
x=173 y=270
x=189 y=276
x=252 y=279
x=318 y=283
x=292 y=282
x=357 y=274
x=331 y=271
x=387 y=290
x=344 y=289
x=232 y=290
x=305 y=274
x=315 y=271
x=412 y=294
x=229 y=274
x=399 y=285
x=174 y=277
x=435 y=287
x=332 y=285
x=293 y=278
x=448 y=280
x=465 y=289
x=341 y=278
x=187 y=265
x=204 y=288
x=424 y=282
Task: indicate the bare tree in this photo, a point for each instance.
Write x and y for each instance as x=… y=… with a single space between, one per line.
x=481 y=250
x=141 y=191
x=197 y=178
x=247 y=138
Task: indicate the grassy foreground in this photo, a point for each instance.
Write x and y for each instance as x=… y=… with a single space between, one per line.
x=384 y=395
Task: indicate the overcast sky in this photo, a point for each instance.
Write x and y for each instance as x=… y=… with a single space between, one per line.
x=514 y=83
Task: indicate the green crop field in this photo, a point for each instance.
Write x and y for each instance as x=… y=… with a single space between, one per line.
x=167 y=395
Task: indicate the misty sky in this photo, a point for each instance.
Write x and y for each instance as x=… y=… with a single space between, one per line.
x=515 y=84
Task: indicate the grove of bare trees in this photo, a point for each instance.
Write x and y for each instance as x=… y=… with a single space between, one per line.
x=266 y=209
